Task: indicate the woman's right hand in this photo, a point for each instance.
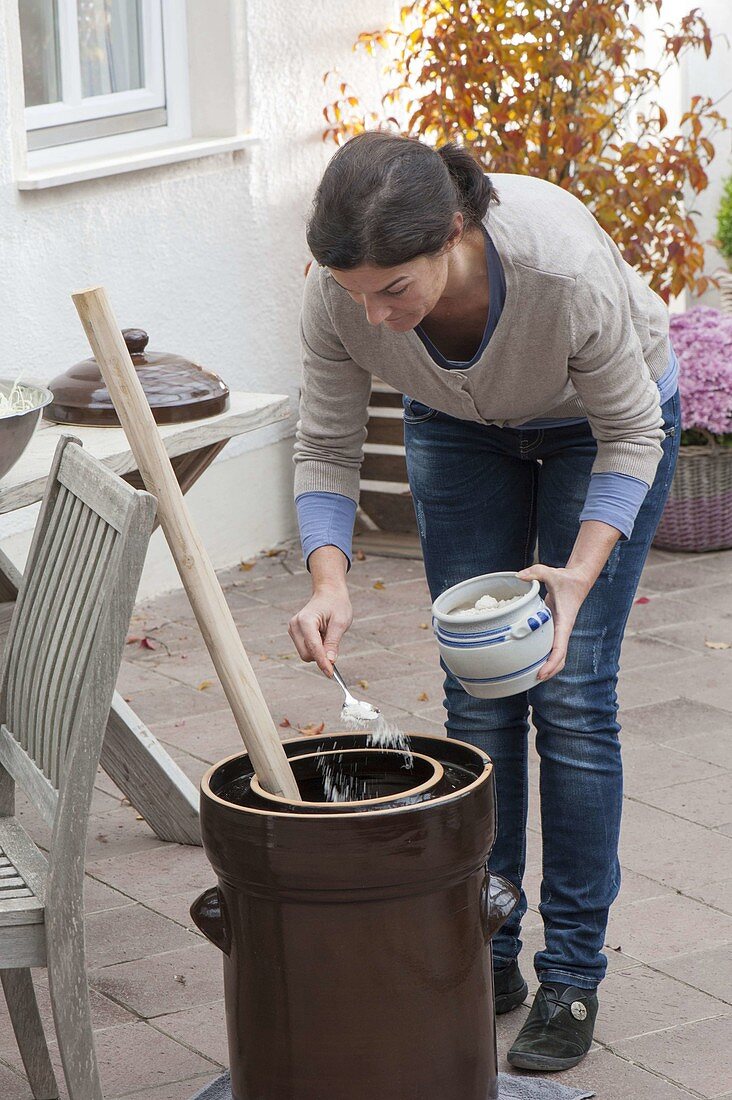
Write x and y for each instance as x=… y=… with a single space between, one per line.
x=318 y=628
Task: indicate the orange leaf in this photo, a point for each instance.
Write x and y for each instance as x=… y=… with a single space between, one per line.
x=379 y=585
x=312 y=730
x=204 y=685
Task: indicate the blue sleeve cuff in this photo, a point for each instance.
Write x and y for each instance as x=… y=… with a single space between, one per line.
x=325 y=519
x=614 y=499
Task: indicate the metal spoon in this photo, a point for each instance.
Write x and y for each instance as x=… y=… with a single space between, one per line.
x=355 y=709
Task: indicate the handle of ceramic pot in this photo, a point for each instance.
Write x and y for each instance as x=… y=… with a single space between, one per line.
x=209 y=916
x=498 y=899
x=526 y=626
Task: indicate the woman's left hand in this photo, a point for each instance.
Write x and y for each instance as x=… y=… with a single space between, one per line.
x=566 y=592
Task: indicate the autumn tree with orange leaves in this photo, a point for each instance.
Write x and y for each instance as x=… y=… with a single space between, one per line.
x=560 y=89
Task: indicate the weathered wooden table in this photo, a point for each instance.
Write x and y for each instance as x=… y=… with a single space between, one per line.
x=131 y=756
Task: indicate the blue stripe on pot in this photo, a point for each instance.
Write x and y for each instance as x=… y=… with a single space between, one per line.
x=478 y=641
x=467 y=634
x=508 y=676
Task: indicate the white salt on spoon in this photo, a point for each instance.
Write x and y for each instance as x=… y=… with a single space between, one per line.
x=355 y=710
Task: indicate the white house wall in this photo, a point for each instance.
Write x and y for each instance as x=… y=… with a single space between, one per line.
x=207 y=255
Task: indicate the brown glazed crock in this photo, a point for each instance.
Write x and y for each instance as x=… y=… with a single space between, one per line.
x=356 y=947
x=177 y=390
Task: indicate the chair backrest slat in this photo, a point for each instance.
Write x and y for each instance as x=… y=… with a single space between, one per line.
x=93 y=529
x=68 y=549
x=74 y=650
x=18 y=660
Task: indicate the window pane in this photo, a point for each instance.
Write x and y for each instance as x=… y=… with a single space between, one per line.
x=39 y=40
x=110 y=46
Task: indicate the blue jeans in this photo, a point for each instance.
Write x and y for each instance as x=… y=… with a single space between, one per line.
x=482 y=496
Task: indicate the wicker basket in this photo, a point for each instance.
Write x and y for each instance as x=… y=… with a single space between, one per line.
x=698 y=512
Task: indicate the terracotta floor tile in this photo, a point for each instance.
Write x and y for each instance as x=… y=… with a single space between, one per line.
x=176 y=907
x=202 y=1029
x=697 y=1056
x=647 y=650
x=614 y=1078
x=675 y=852
x=169 y=869
x=105 y=1013
x=709 y=970
x=139 y=1055
x=717 y=893
x=661 y=610
x=695 y=634
x=210 y=737
x=169 y=982
x=14 y=1084
x=640 y=1000
x=649 y=769
x=679 y=576
x=716 y=748
x=175 y=701
x=706 y=801
x=672 y=720
x=119 y=935
x=178 y=1090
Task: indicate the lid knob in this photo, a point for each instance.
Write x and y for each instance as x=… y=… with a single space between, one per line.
x=136 y=340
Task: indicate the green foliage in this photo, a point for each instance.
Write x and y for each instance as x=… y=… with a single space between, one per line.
x=724 y=222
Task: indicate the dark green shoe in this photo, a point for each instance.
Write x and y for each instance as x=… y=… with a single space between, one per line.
x=509 y=986
x=558 y=1030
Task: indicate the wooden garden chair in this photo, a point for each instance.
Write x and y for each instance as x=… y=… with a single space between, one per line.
x=60 y=664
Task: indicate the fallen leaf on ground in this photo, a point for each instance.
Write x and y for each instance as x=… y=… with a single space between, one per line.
x=642 y=599
x=363 y=684
x=285 y=724
x=273 y=553
x=311 y=729
x=360 y=556
x=718 y=645
x=379 y=584
x=245 y=566
x=424 y=626
x=423 y=697
x=204 y=685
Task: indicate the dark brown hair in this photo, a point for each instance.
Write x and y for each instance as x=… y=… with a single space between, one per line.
x=385 y=199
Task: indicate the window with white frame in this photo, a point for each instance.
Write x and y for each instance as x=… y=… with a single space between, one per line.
x=96 y=69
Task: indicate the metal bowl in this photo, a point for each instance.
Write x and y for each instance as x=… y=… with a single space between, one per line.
x=17 y=429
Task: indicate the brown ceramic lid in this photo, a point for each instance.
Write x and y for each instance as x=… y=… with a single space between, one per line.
x=177 y=389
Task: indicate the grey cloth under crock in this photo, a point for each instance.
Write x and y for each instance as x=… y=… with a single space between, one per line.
x=509 y=1088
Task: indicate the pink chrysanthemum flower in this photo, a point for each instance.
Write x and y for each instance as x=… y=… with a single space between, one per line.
x=702 y=338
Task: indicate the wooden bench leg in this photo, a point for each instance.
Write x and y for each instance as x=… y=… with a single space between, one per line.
x=26 y=1020
x=149 y=777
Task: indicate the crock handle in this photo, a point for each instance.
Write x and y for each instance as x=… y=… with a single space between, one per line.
x=525 y=626
x=209 y=916
x=499 y=897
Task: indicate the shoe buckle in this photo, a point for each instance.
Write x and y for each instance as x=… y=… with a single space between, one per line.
x=578 y=1010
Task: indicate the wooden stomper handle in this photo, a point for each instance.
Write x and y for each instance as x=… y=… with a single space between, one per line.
x=252 y=715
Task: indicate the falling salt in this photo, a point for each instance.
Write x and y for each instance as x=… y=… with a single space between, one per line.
x=341 y=787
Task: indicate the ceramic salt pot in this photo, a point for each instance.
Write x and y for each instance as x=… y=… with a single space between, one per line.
x=356 y=945
x=498 y=651
x=177 y=389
